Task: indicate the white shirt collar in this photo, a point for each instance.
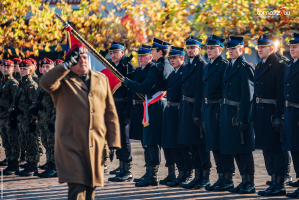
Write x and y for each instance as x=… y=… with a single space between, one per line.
x=142 y=68
x=295 y=60
x=116 y=64
x=191 y=60
x=177 y=70
x=233 y=62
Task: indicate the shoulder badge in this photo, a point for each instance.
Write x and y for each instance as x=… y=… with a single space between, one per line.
x=31 y=87
x=14 y=85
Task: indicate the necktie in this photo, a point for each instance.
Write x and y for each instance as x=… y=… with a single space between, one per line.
x=82 y=78
x=291 y=67
x=230 y=66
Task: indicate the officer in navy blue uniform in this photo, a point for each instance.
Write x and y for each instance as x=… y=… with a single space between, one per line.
x=291 y=112
x=267 y=113
x=153 y=120
x=190 y=127
x=288 y=177
x=119 y=61
x=212 y=95
x=135 y=115
x=236 y=134
x=173 y=151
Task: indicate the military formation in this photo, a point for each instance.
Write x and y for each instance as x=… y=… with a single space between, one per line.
x=27 y=118
x=226 y=107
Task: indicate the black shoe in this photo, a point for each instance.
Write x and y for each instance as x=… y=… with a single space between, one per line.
x=32 y=170
x=151 y=179
x=4 y=163
x=248 y=188
x=127 y=173
x=114 y=179
x=240 y=186
x=45 y=166
x=220 y=178
x=262 y=192
x=295 y=194
x=294 y=184
x=171 y=175
x=12 y=169
x=23 y=164
x=226 y=184
x=204 y=180
x=51 y=172
x=117 y=170
x=278 y=189
x=194 y=182
x=142 y=177
x=105 y=168
x=183 y=177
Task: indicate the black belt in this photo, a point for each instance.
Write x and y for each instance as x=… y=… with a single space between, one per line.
x=207 y=101
x=120 y=99
x=192 y=100
x=295 y=105
x=172 y=104
x=268 y=101
x=230 y=102
x=135 y=102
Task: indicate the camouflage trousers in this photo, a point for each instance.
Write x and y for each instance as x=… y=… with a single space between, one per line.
x=11 y=141
x=31 y=142
x=106 y=151
x=48 y=141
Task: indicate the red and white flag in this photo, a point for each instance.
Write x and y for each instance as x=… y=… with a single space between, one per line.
x=94 y=63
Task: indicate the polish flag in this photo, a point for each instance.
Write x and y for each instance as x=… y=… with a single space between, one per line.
x=94 y=63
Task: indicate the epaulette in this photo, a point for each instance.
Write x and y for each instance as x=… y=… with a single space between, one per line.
x=225 y=61
x=256 y=64
x=281 y=61
x=285 y=58
x=102 y=73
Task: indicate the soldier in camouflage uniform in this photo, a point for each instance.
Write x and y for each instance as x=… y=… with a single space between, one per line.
x=43 y=107
x=4 y=162
x=27 y=123
x=17 y=76
x=11 y=139
x=34 y=67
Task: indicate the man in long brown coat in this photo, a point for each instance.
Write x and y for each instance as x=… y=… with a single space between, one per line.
x=85 y=117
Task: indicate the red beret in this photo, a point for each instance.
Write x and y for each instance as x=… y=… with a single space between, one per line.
x=47 y=61
x=32 y=60
x=26 y=63
x=2 y=61
x=82 y=48
x=8 y=63
x=17 y=61
x=57 y=61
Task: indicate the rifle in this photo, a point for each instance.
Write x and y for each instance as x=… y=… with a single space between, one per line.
x=36 y=106
x=94 y=52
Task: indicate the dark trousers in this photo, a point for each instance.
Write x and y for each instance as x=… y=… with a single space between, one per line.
x=224 y=162
x=183 y=158
x=245 y=163
x=295 y=158
x=153 y=155
x=200 y=157
x=78 y=191
x=276 y=161
x=168 y=156
x=124 y=154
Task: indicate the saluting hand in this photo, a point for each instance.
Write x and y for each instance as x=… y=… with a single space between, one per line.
x=72 y=59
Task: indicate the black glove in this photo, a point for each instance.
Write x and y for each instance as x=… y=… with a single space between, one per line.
x=32 y=127
x=278 y=124
x=197 y=122
x=125 y=82
x=160 y=67
x=13 y=124
x=33 y=110
x=104 y=53
x=242 y=126
x=126 y=59
x=72 y=59
x=51 y=127
x=13 y=114
x=112 y=150
x=127 y=121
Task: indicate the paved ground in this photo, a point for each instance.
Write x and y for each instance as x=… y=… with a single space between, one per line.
x=15 y=187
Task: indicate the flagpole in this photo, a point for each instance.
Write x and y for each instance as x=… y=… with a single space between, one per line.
x=94 y=52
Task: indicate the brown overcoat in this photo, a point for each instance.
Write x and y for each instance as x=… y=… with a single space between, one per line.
x=84 y=119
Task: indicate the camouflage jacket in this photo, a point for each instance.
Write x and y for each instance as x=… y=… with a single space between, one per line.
x=7 y=94
x=35 y=77
x=27 y=97
x=46 y=109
